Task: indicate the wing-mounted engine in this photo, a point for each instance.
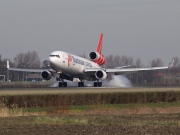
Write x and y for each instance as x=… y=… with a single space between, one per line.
x=101 y=75
x=46 y=75
x=97 y=58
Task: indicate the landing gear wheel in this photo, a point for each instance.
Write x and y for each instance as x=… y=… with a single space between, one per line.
x=100 y=84
x=64 y=84
x=80 y=84
x=60 y=84
x=57 y=79
x=95 y=84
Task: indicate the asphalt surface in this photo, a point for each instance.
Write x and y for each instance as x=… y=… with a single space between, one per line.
x=68 y=90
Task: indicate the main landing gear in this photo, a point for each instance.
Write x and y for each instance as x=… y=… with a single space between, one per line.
x=97 y=84
x=80 y=84
x=61 y=82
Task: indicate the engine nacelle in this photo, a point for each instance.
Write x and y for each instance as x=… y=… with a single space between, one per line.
x=46 y=75
x=101 y=74
x=97 y=58
x=94 y=56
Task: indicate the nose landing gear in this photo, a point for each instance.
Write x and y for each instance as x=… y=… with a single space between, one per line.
x=61 y=82
x=81 y=83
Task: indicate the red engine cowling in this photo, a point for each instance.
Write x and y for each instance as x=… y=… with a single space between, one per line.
x=97 y=58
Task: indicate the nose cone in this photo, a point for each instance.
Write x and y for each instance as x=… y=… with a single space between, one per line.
x=53 y=59
x=52 y=62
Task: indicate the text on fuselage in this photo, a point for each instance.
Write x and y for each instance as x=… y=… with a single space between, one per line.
x=81 y=62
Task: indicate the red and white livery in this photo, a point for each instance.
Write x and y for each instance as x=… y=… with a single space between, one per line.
x=66 y=66
x=97 y=56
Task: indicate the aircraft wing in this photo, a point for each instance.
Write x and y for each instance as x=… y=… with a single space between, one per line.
x=132 y=70
x=27 y=70
x=121 y=71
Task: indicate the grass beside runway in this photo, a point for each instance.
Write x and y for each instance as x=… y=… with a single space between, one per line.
x=90 y=111
x=154 y=118
x=97 y=124
x=82 y=110
x=74 y=97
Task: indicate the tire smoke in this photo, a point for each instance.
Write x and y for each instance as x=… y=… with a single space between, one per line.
x=118 y=81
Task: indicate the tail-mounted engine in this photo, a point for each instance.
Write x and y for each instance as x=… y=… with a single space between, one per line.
x=46 y=75
x=97 y=58
x=101 y=75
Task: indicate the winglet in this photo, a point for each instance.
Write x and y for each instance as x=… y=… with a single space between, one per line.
x=99 y=47
x=172 y=64
x=7 y=65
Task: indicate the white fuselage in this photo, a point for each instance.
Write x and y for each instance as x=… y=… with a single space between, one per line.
x=67 y=63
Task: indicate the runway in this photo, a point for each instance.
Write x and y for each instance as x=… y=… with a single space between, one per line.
x=73 y=90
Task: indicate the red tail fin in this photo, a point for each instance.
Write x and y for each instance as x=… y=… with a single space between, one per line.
x=99 y=47
x=97 y=56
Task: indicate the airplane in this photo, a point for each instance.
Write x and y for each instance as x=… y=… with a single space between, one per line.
x=66 y=66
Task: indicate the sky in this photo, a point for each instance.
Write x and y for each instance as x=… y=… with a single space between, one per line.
x=145 y=29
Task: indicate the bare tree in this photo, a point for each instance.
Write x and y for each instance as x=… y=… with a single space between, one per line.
x=110 y=61
x=176 y=61
x=83 y=56
x=157 y=63
x=3 y=68
x=46 y=64
x=118 y=61
x=153 y=76
x=138 y=63
x=27 y=60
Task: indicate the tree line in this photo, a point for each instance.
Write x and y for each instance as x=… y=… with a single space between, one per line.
x=31 y=60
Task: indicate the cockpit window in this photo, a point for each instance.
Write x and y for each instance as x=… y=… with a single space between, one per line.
x=55 y=56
